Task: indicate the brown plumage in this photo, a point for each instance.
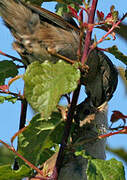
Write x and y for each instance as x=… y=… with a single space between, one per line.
x=36 y=32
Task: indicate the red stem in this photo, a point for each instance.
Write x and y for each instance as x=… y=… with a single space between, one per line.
x=19 y=155
x=109 y=32
x=76 y=92
x=91 y=15
x=123 y=131
x=12 y=57
x=13 y=94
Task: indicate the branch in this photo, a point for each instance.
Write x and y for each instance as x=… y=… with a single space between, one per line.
x=19 y=96
x=67 y=129
x=21 y=125
x=76 y=92
x=109 y=32
x=12 y=57
x=23 y=114
x=19 y=155
x=91 y=15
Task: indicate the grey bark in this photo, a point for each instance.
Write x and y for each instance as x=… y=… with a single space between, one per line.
x=75 y=168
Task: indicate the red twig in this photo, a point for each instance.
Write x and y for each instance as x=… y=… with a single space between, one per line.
x=102 y=49
x=13 y=94
x=52 y=177
x=12 y=57
x=20 y=156
x=91 y=15
x=84 y=9
x=109 y=32
x=17 y=134
x=123 y=131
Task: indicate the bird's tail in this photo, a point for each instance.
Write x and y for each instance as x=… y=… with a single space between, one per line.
x=17 y=17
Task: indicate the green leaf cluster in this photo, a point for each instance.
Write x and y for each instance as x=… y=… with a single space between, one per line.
x=37 y=143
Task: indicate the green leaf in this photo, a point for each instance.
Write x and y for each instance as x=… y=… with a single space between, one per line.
x=123 y=75
x=45 y=155
x=6 y=156
x=7 y=98
x=45 y=83
x=119 y=55
x=2 y=99
x=122 y=153
x=39 y=136
x=11 y=99
x=62 y=8
x=122 y=31
x=6 y=172
x=101 y=169
x=105 y=170
x=81 y=152
x=114 y=13
x=7 y=69
x=115 y=16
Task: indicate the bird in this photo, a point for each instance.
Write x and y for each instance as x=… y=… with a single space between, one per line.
x=42 y=35
x=38 y=32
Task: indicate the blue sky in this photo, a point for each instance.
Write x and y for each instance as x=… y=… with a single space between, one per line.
x=10 y=113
